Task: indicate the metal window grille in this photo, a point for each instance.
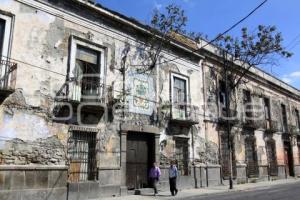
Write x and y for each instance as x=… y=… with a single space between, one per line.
x=225 y=157
x=284 y=118
x=298 y=145
x=271 y=155
x=251 y=156
x=82 y=156
x=299 y=152
x=182 y=156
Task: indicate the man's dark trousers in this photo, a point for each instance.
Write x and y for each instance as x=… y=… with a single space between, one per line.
x=173 y=187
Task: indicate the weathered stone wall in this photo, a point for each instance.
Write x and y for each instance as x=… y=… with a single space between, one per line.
x=40 y=152
x=27 y=137
x=41 y=46
x=258 y=90
x=31 y=182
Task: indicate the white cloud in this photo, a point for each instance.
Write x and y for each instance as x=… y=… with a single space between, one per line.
x=295 y=74
x=292 y=77
x=157 y=6
x=287 y=80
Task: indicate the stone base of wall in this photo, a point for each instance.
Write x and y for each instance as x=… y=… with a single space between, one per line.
x=92 y=190
x=297 y=171
x=108 y=185
x=213 y=175
x=201 y=176
x=183 y=182
x=263 y=172
x=33 y=182
x=281 y=172
x=208 y=175
x=241 y=174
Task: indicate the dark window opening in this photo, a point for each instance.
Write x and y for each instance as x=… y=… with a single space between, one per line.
x=179 y=90
x=179 y=101
x=297 y=120
x=182 y=156
x=271 y=155
x=267 y=112
x=247 y=103
x=82 y=156
x=88 y=73
x=2 y=31
x=222 y=97
x=284 y=118
x=251 y=156
x=298 y=144
x=225 y=157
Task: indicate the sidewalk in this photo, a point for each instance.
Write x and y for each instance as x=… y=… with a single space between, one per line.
x=182 y=194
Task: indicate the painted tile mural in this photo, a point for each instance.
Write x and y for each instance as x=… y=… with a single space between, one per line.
x=142 y=94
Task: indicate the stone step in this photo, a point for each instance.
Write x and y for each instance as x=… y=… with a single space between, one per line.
x=143 y=191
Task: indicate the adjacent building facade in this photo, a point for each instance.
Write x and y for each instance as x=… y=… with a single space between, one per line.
x=79 y=119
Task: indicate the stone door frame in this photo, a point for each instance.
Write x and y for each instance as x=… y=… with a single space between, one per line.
x=124 y=130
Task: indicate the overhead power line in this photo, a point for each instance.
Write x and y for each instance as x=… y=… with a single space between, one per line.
x=173 y=59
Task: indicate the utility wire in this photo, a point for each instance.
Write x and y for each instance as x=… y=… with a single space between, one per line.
x=173 y=59
x=170 y=60
x=222 y=34
x=117 y=91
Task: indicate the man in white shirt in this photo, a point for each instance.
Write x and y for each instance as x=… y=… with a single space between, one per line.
x=173 y=173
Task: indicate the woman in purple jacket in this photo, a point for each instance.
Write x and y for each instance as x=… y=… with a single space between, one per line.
x=154 y=177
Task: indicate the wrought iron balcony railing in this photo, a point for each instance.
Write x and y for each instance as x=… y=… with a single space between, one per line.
x=271 y=126
x=293 y=130
x=184 y=113
x=252 y=123
x=232 y=119
x=7 y=75
x=86 y=90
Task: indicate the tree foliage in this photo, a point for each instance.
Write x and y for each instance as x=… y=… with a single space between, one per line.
x=164 y=26
x=251 y=49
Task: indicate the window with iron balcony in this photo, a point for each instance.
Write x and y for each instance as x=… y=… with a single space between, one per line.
x=181 y=109
x=8 y=68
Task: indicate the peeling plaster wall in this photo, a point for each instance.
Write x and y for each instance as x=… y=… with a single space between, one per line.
x=41 y=47
x=258 y=91
x=42 y=40
x=193 y=73
x=261 y=148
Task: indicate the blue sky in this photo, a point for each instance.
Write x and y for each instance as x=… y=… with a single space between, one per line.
x=214 y=16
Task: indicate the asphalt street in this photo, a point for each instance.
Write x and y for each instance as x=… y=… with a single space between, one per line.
x=278 y=192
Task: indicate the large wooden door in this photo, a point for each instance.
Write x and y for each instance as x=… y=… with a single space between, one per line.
x=139 y=158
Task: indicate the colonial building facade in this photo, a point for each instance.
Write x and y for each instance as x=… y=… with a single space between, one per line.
x=79 y=119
